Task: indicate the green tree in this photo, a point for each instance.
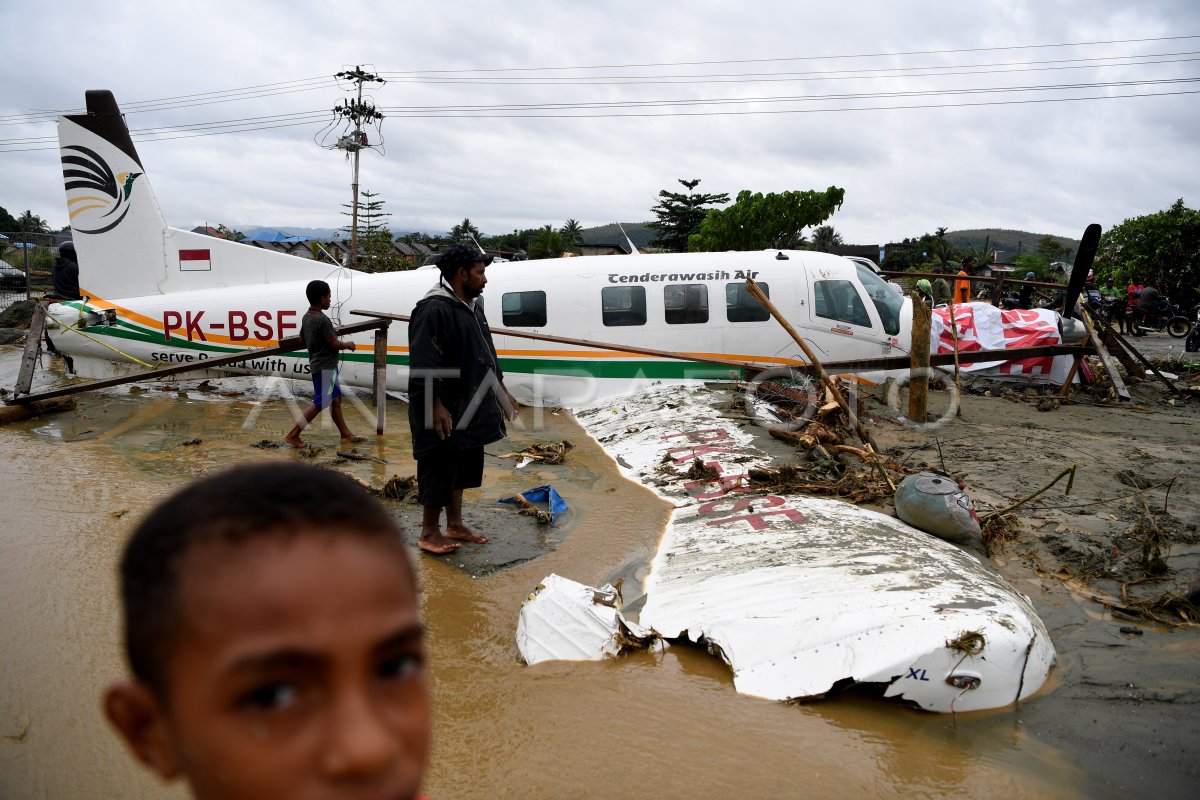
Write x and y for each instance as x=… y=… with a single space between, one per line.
x=1031 y=262
x=938 y=247
x=680 y=214
x=825 y=239
x=8 y=223
x=230 y=234
x=925 y=253
x=547 y=243
x=29 y=222
x=1049 y=249
x=572 y=231
x=1163 y=247
x=757 y=221
x=376 y=247
x=463 y=231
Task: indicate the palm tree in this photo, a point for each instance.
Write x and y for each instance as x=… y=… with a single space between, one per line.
x=463 y=230
x=573 y=231
x=825 y=238
x=29 y=222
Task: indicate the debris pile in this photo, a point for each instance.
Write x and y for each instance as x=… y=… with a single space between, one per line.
x=548 y=453
x=396 y=488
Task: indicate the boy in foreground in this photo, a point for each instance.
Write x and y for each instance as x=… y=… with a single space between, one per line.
x=317 y=333
x=274 y=635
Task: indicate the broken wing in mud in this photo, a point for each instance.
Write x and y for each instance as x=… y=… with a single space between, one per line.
x=803 y=595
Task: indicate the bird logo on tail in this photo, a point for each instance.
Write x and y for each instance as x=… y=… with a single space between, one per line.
x=93 y=187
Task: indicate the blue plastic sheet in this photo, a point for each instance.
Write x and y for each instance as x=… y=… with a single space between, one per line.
x=543 y=494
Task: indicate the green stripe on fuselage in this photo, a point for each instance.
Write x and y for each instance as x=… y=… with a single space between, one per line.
x=652 y=369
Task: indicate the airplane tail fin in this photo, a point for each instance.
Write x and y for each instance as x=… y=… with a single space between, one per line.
x=121 y=238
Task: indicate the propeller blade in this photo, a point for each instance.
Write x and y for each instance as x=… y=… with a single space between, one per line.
x=1083 y=265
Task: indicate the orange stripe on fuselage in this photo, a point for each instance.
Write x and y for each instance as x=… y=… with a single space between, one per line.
x=157 y=325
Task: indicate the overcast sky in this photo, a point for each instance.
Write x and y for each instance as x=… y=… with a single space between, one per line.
x=493 y=110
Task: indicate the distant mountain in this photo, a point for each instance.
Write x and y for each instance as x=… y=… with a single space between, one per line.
x=1011 y=243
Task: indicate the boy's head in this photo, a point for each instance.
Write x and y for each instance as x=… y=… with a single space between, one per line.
x=273 y=629
x=316 y=291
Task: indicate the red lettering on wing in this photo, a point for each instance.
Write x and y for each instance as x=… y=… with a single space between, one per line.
x=767 y=501
x=757 y=521
x=689 y=453
x=702 y=435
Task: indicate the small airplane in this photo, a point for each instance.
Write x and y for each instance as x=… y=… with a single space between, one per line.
x=155 y=295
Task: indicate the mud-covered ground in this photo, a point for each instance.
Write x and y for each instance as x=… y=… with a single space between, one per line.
x=1104 y=565
x=1109 y=566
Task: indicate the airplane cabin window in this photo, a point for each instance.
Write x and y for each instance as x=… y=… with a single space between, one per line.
x=839 y=300
x=524 y=309
x=740 y=306
x=685 y=303
x=886 y=301
x=623 y=305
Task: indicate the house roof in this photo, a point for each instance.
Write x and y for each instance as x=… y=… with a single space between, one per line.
x=276 y=236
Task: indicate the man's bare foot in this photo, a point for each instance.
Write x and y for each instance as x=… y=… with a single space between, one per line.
x=464 y=534
x=353 y=439
x=437 y=544
x=294 y=441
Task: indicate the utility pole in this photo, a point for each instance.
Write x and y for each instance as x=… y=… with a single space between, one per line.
x=357 y=112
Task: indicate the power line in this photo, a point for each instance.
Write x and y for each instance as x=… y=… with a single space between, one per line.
x=563 y=109
x=847 y=74
x=4 y=148
x=816 y=58
x=308 y=84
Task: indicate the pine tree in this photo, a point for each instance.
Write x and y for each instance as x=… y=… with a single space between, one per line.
x=679 y=215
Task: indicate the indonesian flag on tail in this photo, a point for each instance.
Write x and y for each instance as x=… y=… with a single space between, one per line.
x=195 y=261
x=982 y=326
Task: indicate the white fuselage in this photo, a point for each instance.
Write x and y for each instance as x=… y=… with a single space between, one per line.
x=687 y=303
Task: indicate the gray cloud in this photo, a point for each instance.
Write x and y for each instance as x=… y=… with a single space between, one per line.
x=1045 y=166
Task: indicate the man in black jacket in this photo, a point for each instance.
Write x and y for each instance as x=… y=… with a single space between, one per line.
x=65 y=274
x=457 y=399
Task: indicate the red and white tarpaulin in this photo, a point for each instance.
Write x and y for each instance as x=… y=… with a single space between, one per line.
x=982 y=326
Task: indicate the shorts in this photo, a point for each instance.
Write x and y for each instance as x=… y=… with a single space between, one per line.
x=445 y=470
x=325 y=387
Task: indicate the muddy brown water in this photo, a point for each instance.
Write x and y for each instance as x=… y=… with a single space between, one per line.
x=668 y=725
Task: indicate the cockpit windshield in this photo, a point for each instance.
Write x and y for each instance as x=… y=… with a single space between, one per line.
x=887 y=302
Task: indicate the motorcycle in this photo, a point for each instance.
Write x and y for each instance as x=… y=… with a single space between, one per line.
x=1166 y=318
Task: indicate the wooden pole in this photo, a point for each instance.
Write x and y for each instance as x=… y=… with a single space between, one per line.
x=380 y=379
x=918 y=374
x=1125 y=343
x=998 y=291
x=1066 y=387
x=36 y=408
x=1132 y=368
x=33 y=347
x=1110 y=363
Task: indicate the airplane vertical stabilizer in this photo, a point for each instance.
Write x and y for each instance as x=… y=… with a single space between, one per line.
x=124 y=245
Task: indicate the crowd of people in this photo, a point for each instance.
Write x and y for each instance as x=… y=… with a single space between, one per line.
x=1140 y=299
